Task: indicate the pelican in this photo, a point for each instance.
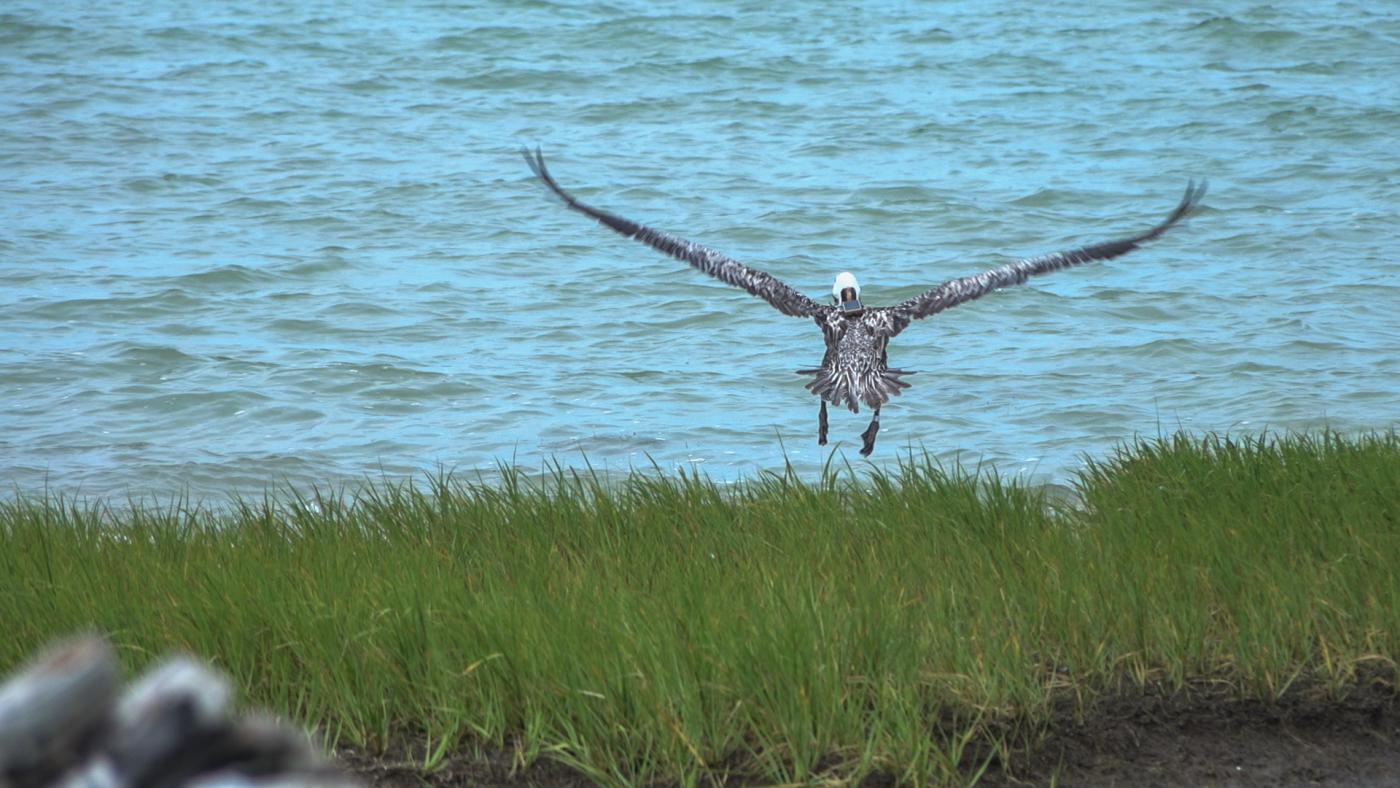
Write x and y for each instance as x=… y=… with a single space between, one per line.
x=855 y=368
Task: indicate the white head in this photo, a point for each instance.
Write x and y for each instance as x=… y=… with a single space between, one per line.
x=846 y=294
x=844 y=280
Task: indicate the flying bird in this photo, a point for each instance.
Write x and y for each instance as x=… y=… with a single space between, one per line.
x=855 y=368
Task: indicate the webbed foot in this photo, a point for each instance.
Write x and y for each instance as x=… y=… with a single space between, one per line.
x=869 y=435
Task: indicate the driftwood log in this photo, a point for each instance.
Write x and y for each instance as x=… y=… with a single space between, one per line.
x=65 y=721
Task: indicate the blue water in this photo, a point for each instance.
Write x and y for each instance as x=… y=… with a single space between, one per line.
x=295 y=242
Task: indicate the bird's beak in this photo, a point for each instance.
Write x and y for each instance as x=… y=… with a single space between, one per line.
x=850 y=303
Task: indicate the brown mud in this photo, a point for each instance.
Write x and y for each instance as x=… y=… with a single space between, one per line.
x=1200 y=735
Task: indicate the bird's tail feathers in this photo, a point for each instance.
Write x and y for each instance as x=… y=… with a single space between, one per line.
x=840 y=387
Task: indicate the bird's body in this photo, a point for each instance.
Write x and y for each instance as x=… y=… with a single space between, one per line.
x=855 y=368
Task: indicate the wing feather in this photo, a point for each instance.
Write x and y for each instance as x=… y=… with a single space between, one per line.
x=732 y=272
x=960 y=291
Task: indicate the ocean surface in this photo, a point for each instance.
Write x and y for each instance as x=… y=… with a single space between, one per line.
x=266 y=244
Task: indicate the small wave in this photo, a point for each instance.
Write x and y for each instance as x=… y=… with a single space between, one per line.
x=170 y=301
x=296 y=325
x=472 y=41
x=506 y=78
x=1218 y=24
x=149 y=354
x=224 y=277
x=358 y=309
x=1045 y=198
x=932 y=35
x=306 y=269
x=1165 y=348
x=254 y=204
x=16 y=30
x=371 y=85
x=899 y=195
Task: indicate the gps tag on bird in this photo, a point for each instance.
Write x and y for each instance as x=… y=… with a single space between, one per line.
x=850 y=303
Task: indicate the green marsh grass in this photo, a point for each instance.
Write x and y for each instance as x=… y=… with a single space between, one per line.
x=913 y=621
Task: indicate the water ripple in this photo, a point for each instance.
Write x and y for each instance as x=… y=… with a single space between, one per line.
x=264 y=246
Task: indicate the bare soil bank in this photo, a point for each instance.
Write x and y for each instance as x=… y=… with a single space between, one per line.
x=1207 y=737
x=1200 y=736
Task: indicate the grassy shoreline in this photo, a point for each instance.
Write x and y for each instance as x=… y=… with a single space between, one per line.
x=667 y=628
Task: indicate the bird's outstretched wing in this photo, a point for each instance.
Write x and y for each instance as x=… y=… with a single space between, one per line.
x=958 y=291
x=783 y=297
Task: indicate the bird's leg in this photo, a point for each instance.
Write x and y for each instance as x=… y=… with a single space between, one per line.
x=821 y=425
x=869 y=435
